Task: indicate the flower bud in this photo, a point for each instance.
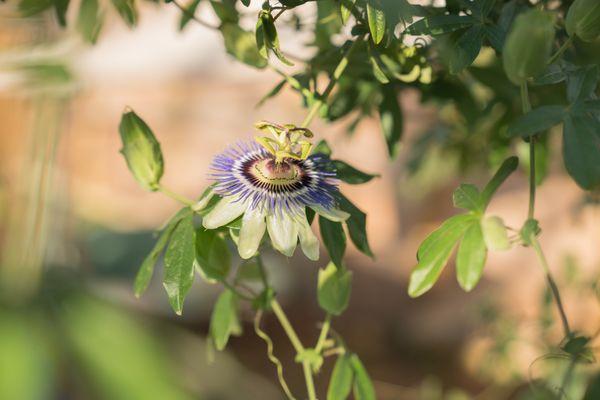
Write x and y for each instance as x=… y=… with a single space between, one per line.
x=528 y=45
x=583 y=19
x=141 y=150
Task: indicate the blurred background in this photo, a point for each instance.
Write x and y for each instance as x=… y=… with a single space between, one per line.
x=76 y=226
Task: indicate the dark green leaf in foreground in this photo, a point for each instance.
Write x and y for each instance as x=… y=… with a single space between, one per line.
x=392 y=122
x=465 y=49
x=334 y=288
x=351 y=175
x=434 y=252
x=363 y=387
x=224 y=321
x=470 y=258
x=340 y=384
x=334 y=239
x=357 y=225
x=440 y=24
x=581 y=150
x=144 y=275
x=179 y=263
x=537 y=120
x=212 y=254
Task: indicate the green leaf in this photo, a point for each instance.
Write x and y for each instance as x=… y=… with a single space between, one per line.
x=593 y=390
x=346 y=7
x=144 y=275
x=494 y=233
x=334 y=288
x=322 y=148
x=356 y=224
x=482 y=8
x=537 y=120
x=28 y=8
x=179 y=263
x=363 y=387
x=224 y=320
x=466 y=196
x=89 y=20
x=242 y=45
x=470 y=258
x=141 y=150
x=272 y=93
x=267 y=38
x=127 y=10
x=434 y=252
x=377 y=71
x=334 y=239
x=187 y=14
x=392 y=122
x=582 y=83
x=440 y=24
x=508 y=167
x=60 y=7
x=340 y=384
x=212 y=254
x=376 y=20
x=465 y=49
x=225 y=11
x=581 y=150
x=351 y=175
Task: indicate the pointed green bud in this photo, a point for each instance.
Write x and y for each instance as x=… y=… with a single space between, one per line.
x=583 y=20
x=141 y=150
x=528 y=45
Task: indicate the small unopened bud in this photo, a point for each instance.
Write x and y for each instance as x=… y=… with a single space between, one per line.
x=528 y=45
x=583 y=20
x=141 y=150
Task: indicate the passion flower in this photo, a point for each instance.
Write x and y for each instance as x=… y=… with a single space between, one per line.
x=270 y=186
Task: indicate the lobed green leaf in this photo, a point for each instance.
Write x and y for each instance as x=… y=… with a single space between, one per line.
x=470 y=258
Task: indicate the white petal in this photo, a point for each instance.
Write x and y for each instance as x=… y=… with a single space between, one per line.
x=335 y=214
x=253 y=229
x=283 y=232
x=224 y=212
x=308 y=240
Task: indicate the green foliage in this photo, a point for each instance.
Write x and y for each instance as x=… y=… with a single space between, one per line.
x=267 y=38
x=224 y=321
x=583 y=20
x=476 y=233
x=89 y=20
x=179 y=263
x=335 y=284
x=212 y=255
x=342 y=376
x=363 y=387
x=334 y=239
x=141 y=150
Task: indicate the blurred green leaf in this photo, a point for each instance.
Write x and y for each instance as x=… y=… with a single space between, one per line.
x=188 y=13
x=465 y=49
x=272 y=93
x=434 y=252
x=29 y=8
x=334 y=288
x=363 y=387
x=90 y=20
x=351 y=175
x=346 y=7
x=376 y=20
x=61 y=7
x=334 y=239
x=26 y=366
x=144 y=275
x=581 y=150
x=357 y=225
x=593 y=389
x=582 y=83
x=494 y=233
x=179 y=263
x=322 y=148
x=226 y=12
x=470 y=258
x=392 y=121
x=141 y=150
x=440 y=24
x=466 y=196
x=127 y=11
x=242 y=45
x=212 y=254
x=537 y=120
x=224 y=321
x=340 y=384
x=267 y=38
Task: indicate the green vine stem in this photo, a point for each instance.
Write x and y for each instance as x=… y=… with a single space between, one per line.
x=561 y=50
x=175 y=196
x=323 y=334
x=337 y=73
x=533 y=239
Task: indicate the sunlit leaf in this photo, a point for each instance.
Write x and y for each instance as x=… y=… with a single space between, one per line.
x=470 y=258
x=376 y=20
x=340 y=384
x=241 y=44
x=363 y=387
x=89 y=20
x=466 y=196
x=335 y=285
